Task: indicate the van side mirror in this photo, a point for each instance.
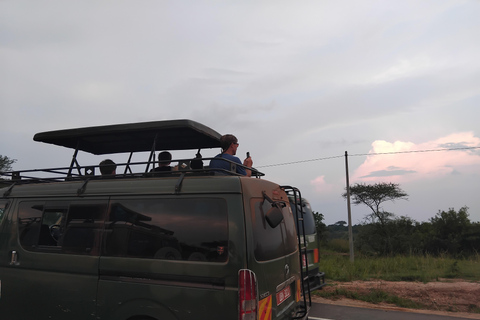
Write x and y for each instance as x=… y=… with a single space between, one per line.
x=274 y=216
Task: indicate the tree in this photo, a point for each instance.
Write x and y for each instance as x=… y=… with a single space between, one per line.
x=6 y=163
x=340 y=223
x=450 y=231
x=373 y=196
x=319 y=225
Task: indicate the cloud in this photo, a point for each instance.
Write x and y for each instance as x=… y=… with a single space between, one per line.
x=321 y=186
x=407 y=161
x=403 y=68
x=390 y=171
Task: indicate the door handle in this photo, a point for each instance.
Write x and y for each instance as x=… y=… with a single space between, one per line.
x=14 y=259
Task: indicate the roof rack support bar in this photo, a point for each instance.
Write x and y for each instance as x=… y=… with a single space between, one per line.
x=127 y=167
x=7 y=193
x=74 y=160
x=82 y=189
x=178 y=186
x=151 y=158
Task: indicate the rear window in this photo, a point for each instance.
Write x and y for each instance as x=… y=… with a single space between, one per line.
x=194 y=229
x=272 y=243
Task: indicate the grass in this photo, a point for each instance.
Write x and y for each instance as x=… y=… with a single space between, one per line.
x=423 y=268
x=399 y=268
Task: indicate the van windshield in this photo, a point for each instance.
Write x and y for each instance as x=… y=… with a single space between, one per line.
x=272 y=243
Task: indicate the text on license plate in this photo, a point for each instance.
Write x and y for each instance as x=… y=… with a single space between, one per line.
x=283 y=295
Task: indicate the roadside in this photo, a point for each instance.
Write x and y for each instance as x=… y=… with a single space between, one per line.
x=457 y=298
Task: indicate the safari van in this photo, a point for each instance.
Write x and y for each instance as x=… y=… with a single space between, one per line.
x=141 y=245
x=309 y=243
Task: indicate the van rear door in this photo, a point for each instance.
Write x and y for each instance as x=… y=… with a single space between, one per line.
x=274 y=258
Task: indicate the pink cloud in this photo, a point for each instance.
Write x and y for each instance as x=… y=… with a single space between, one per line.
x=320 y=185
x=409 y=162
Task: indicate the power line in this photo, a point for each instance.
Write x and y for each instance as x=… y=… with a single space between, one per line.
x=414 y=151
x=367 y=154
x=300 y=161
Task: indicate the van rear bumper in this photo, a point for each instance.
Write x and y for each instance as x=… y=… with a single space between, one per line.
x=301 y=315
x=316 y=280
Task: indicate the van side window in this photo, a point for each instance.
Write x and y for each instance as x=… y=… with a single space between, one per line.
x=3 y=209
x=266 y=238
x=61 y=227
x=172 y=229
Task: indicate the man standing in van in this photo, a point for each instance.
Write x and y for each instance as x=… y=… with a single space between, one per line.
x=229 y=144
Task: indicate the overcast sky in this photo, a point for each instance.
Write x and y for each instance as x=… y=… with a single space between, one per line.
x=298 y=82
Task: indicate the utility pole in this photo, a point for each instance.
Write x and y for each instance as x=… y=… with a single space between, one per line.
x=350 y=233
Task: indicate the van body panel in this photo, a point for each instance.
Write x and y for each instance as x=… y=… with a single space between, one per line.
x=51 y=282
x=119 y=186
x=163 y=301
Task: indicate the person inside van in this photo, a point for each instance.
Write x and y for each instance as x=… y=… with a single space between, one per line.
x=164 y=160
x=229 y=144
x=108 y=167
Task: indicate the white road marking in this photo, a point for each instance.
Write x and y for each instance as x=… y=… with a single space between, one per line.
x=313 y=318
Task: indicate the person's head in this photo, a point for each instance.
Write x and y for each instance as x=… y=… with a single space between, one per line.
x=107 y=166
x=229 y=143
x=164 y=158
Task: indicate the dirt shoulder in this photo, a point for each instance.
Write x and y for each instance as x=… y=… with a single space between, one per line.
x=457 y=298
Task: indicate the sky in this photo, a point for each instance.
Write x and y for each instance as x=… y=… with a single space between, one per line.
x=299 y=83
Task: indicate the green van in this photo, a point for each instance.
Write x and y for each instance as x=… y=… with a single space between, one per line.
x=309 y=243
x=137 y=245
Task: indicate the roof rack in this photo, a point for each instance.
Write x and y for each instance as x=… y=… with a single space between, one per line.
x=128 y=138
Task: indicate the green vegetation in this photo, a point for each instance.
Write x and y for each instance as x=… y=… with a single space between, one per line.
x=6 y=163
x=392 y=248
x=450 y=232
x=425 y=268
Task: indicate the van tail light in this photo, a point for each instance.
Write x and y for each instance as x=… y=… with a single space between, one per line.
x=315 y=255
x=247 y=295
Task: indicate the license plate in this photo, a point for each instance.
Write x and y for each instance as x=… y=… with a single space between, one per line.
x=283 y=294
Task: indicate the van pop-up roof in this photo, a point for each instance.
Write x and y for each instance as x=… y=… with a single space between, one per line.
x=126 y=138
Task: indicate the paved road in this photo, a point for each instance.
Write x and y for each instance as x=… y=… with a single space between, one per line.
x=320 y=311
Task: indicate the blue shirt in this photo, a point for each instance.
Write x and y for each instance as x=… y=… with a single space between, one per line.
x=221 y=164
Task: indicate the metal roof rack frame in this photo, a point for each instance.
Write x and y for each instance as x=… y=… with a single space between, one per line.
x=127 y=138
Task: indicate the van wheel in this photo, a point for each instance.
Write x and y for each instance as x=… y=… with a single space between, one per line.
x=168 y=253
